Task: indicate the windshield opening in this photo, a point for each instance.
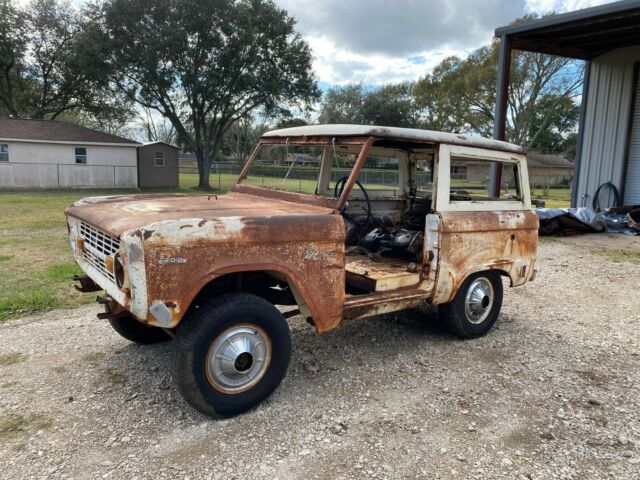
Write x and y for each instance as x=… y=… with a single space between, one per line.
x=301 y=168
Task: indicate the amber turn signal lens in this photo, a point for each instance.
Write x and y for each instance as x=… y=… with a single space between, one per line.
x=109 y=263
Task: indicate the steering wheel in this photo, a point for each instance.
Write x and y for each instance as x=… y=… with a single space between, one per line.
x=337 y=191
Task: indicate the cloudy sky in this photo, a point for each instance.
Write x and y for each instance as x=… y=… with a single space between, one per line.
x=378 y=41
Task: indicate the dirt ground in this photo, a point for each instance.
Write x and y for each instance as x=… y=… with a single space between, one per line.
x=552 y=391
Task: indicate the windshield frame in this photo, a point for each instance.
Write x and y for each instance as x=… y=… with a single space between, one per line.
x=315 y=199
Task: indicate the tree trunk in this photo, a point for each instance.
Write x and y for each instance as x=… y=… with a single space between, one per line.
x=204 y=169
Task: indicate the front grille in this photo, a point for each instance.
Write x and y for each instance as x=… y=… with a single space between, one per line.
x=97 y=246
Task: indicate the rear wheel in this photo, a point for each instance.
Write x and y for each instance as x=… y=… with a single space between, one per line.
x=232 y=352
x=134 y=331
x=476 y=306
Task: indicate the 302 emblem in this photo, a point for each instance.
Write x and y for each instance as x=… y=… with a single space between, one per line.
x=167 y=261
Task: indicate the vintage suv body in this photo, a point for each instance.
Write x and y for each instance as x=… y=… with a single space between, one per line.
x=340 y=221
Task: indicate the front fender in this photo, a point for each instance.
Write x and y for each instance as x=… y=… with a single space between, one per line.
x=182 y=257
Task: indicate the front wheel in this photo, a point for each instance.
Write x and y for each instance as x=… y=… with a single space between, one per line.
x=476 y=306
x=232 y=352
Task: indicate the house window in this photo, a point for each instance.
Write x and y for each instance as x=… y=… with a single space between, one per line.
x=4 y=152
x=158 y=159
x=81 y=155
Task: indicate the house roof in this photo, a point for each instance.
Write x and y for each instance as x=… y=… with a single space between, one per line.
x=535 y=159
x=408 y=134
x=52 y=131
x=580 y=34
x=148 y=144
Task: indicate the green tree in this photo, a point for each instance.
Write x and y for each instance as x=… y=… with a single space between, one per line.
x=43 y=64
x=553 y=124
x=343 y=105
x=391 y=105
x=459 y=95
x=204 y=64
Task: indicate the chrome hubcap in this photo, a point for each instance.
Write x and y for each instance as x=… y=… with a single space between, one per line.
x=238 y=358
x=479 y=300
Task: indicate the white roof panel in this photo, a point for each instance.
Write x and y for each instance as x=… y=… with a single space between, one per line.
x=409 y=134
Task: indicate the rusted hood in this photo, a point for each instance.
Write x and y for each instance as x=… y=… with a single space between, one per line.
x=118 y=214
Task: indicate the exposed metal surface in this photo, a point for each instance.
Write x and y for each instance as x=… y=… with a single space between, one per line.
x=479 y=300
x=362 y=306
x=238 y=358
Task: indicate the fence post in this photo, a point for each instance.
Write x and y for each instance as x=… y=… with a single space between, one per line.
x=58 y=173
x=114 y=177
x=219 y=179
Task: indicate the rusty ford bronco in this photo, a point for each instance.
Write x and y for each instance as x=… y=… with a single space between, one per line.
x=337 y=222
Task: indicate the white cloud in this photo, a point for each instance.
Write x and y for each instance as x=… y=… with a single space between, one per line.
x=378 y=41
x=561 y=6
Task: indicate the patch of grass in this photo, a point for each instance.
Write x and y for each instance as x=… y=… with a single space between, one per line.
x=555 y=197
x=4 y=258
x=14 y=425
x=11 y=358
x=618 y=255
x=62 y=272
x=31 y=301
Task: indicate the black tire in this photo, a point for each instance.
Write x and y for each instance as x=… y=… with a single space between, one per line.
x=200 y=342
x=134 y=331
x=460 y=320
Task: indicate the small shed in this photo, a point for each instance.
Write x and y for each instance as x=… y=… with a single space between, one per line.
x=158 y=165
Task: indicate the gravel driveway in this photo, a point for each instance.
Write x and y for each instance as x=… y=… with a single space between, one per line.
x=552 y=391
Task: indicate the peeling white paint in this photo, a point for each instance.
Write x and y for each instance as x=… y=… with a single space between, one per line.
x=177 y=232
x=137 y=273
x=143 y=207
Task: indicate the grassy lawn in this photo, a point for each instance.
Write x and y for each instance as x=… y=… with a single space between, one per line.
x=35 y=262
x=556 y=198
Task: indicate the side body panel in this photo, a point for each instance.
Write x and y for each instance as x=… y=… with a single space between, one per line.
x=469 y=243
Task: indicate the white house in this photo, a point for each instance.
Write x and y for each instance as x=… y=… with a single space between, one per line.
x=52 y=154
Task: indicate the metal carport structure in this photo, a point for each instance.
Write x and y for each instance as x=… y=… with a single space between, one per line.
x=607 y=37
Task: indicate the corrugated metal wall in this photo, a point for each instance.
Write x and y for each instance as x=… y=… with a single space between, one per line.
x=606 y=122
x=632 y=183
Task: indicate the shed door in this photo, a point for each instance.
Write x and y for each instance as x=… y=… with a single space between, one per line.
x=632 y=185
